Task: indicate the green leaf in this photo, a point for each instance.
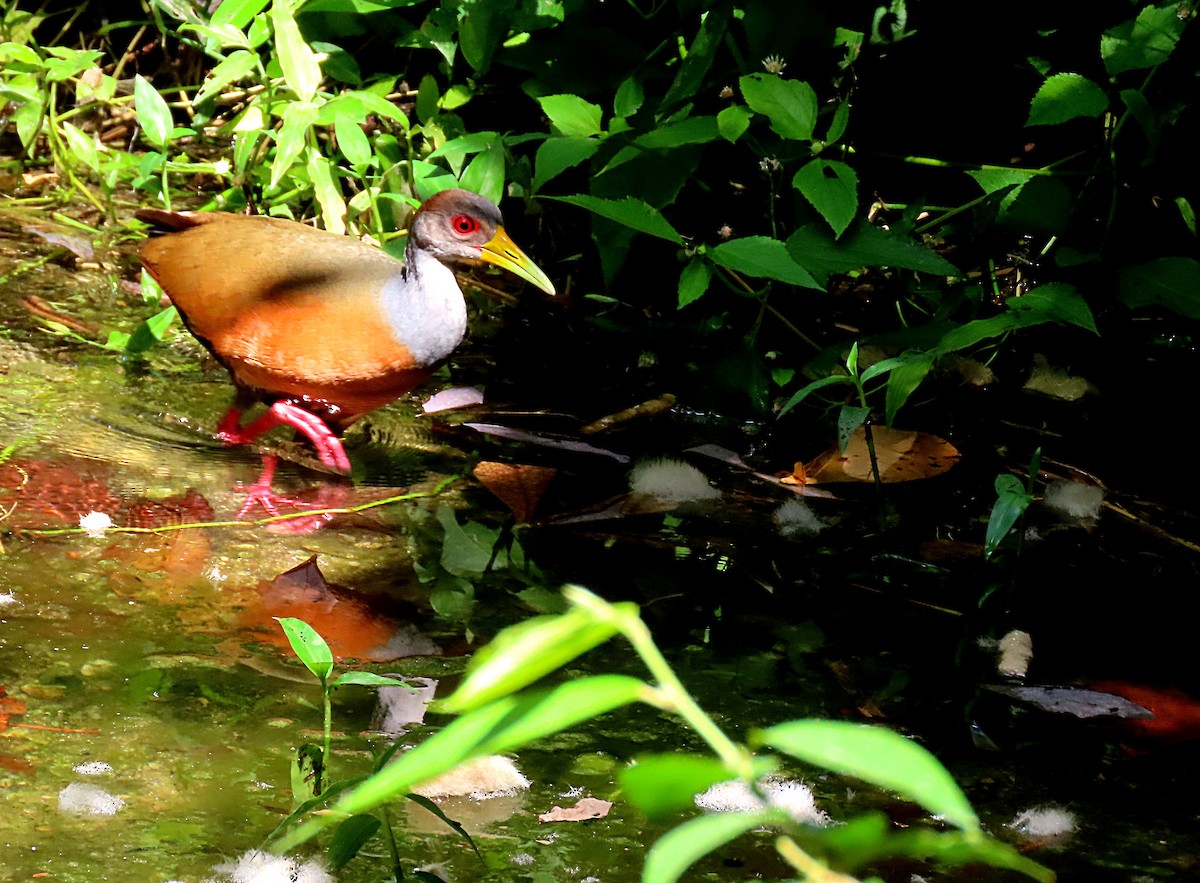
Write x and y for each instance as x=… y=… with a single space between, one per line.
x=233 y=68
x=482 y=30
x=292 y=138
x=876 y=755
x=693 y=130
x=1143 y=42
x=996 y=180
x=153 y=114
x=693 y=281
x=237 y=13
x=863 y=245
x=1173 y=283
x=808 y=390
x=790 y=105
x=837 y=126
x=733 y=121
x=357 y=105
x=328 y=193
x=1057 y=301
x=495 y=728
x=308 y=646
x=903 y=381
x=684 y=845
x=764 y=257
x=557 y=154
x=662 y=784
x=832 y=188
x=150 y=332
x=485 y=173
x=84 y=147
x=1011 y=502
x=631 y=212
x=523 y=653
x=850 y=418
x=629 y=98
x=368 y=679
x=1064 y=97
x=352 y=141
x=699 y=57
x=349 y=838
x=467 y=549
x=301 y=71
x=1041 y=205
x=572 y=115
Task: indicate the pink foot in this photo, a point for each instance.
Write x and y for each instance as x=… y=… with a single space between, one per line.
x=328 y=446
x=329 y=496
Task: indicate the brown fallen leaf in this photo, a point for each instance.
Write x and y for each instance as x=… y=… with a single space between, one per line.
x=586 y=809
x=901 y=455
x=518 y=487
x=9 y=707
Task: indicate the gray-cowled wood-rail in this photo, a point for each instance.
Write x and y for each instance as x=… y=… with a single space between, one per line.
x=323 y=328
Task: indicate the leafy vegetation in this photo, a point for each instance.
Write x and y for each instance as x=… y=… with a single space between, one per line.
x=697 y=168
x=499 y=714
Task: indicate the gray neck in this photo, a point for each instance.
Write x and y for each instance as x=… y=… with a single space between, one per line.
x=425 y=308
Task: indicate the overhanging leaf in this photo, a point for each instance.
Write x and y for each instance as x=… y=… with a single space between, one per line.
x=790 y=105
x=1064 y=97
x=762 y=257
x=876 y=755
x=832 y=188
x=630 y=212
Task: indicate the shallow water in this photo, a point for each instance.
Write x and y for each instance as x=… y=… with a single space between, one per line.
x=156 y=652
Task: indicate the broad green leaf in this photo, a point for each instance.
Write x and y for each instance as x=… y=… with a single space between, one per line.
x=357 y=105
x=903 y=381
x=629 y=98
x=693 y=130
x=83 y=146
x=301 y=71
x=327 y=192
x=292 y=138
x=557 y=154
x=995 y=180
x=15 y=52
x=153 y=114
x=1057 y=301
x=1011 y=502
x=630 y=212
x=1173 y=283
x=467 y=550
x=733 y=121
x=662 y=784
x=368 y=679
x=790 y=105
x=504 y=725
x=693 y=281
x=1041 y=205
x=237 y=13
x=1143 y=42
x=683 y=846
x=850 y=418
x=219 y=38
x=837 y=126
x=832 y=188
x=482 y=29
x=863 y=245
x=230 y=70
x=485 y=173
x=349 y=838
x=572 y=115
x=876 y=755
x=762 y=257
x=308 y=646
x=978 y=330
x=427 y=99
x=1064 y=97
x=523 y=653
x=699 y=57
x=352 y=141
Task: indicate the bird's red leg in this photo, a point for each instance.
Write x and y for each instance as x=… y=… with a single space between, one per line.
x=329 y=496
x=329 y=446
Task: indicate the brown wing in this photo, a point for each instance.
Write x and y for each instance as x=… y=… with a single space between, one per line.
x=287 y=308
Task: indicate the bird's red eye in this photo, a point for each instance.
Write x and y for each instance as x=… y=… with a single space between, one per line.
x=464 y=225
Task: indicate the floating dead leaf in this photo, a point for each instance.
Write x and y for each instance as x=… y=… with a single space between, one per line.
x=518 y=487
x=450 y=399
x=1077 y=701
x=1049 y=380
x=902 y=456
x=585 y=810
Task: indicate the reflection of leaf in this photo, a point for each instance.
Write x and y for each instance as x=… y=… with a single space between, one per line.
x=518 y=487
x=902 y=456
x=586 y=809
